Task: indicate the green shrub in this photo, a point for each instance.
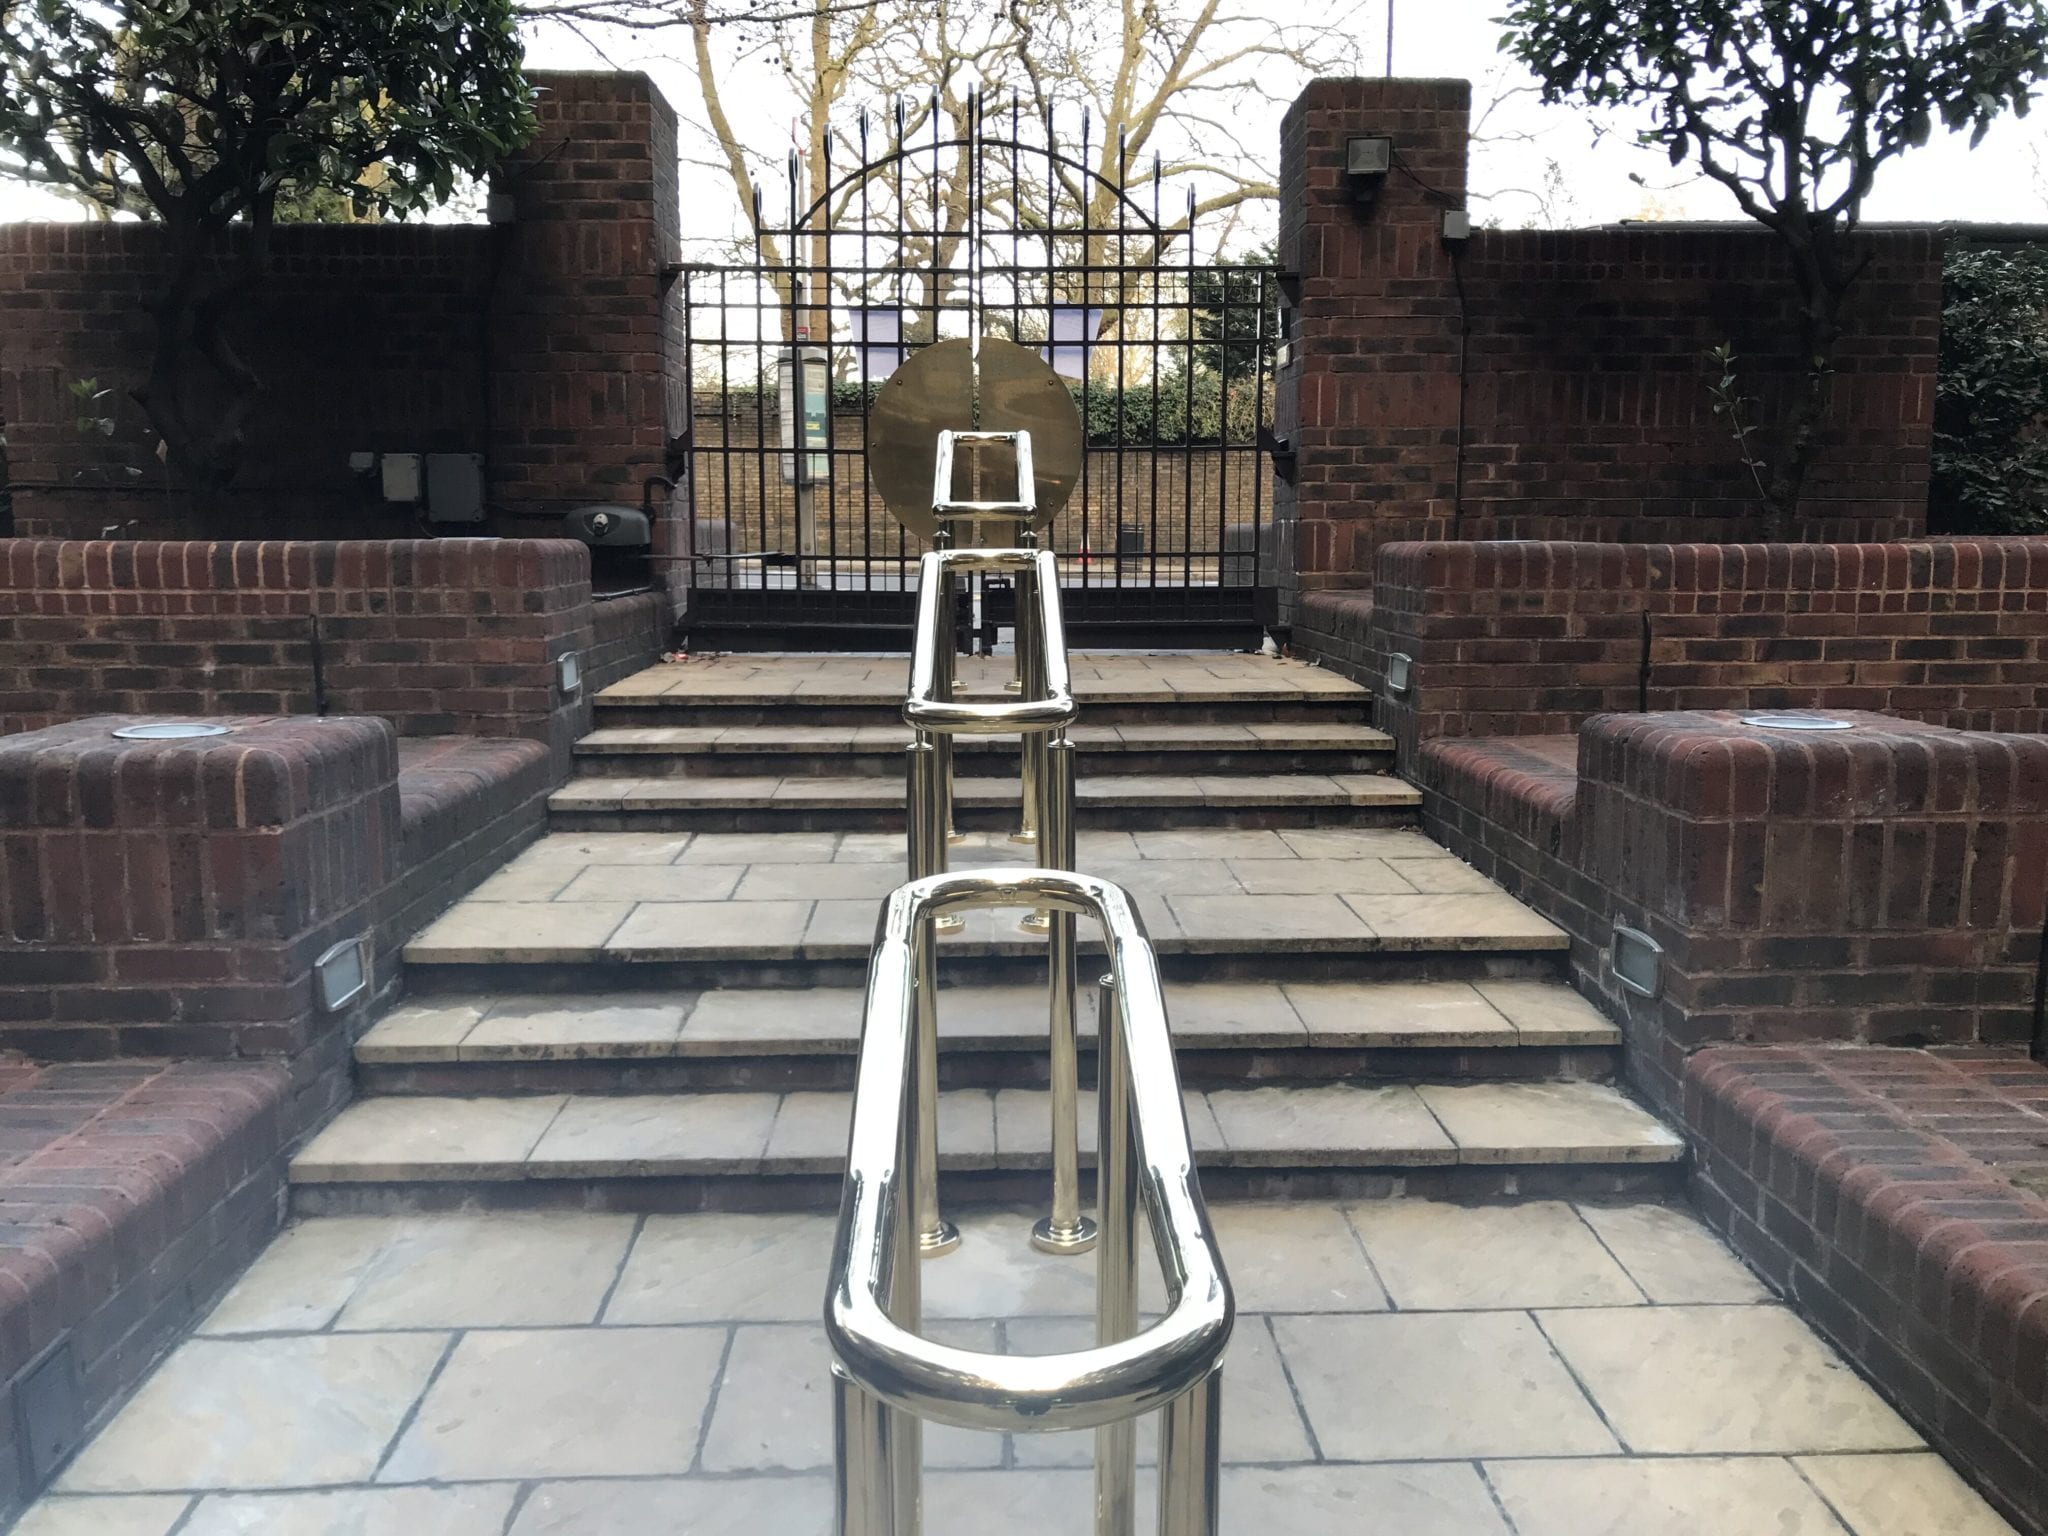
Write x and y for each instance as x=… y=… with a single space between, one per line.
x=1991 y=397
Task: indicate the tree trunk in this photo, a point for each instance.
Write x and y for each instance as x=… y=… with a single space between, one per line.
x=1820 y=327
x=199 y=392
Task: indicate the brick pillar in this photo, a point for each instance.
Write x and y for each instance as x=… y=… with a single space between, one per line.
x=1369 y=397
x=588 y=383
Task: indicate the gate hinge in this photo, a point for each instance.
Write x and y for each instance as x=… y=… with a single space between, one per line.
x=1282 y=451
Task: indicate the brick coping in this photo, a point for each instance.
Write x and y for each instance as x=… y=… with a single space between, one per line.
x=132 y=1193
x=1889 y=1192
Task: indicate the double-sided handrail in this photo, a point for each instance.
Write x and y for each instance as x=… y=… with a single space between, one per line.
x=1041 y=713
x=888 y=1376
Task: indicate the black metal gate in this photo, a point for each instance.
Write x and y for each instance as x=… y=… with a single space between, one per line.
x=949 y=227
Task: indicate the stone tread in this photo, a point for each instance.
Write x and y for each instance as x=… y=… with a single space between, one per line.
x=820 y=792
x=638 y=896
x=879 y=740
x=753 y=1022
x=572 y=1136
x=1218 y=678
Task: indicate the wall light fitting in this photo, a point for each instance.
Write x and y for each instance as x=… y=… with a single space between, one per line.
x=341 y=975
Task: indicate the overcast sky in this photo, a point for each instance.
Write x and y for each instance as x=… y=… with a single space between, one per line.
x=2003 y=179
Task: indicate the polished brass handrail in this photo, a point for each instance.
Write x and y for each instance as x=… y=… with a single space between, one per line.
x=887 y=1376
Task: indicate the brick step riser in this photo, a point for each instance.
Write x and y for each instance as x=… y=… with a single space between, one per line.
x=798 y=817
x=1207 y=762
x=834 y=1072
x=592 y=979
x=660 y=1194
x=1338 y=708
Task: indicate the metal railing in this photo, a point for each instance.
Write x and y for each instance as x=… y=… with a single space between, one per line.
x=888 y=1377
x=1040 y=714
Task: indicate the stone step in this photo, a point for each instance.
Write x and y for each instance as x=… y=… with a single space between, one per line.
x=859 y=690
x=807 y=802
x=670 y=1151
x=654 y=909
x=1206 y=748
x=1227 y=1034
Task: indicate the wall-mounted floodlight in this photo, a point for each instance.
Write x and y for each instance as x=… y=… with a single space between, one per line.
x=1367 y=159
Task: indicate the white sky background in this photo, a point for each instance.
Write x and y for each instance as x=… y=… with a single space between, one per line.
x=2004 y=179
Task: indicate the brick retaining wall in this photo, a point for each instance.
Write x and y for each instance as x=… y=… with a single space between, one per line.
x=1526 y=638
x=440 y=636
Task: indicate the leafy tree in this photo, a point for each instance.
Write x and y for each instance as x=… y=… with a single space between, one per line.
x=1236 y=308
x=201 y=115
x=1991 y=399
x=1793 y=105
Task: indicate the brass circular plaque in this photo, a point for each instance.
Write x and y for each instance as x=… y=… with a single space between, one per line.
x=934 y=390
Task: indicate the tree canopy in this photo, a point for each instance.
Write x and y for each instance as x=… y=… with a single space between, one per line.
x=203 y=115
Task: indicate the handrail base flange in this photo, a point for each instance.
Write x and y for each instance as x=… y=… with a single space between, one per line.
x=1047 y=1238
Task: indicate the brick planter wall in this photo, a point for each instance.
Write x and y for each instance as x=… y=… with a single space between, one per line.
x=169 y=897
x=1882 y=884
x=440 y=636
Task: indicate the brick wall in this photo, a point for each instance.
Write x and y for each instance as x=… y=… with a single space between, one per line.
x=1553 y=383
x=1519 y=639
x=552 y=345
x=1882 y=884
x=437 y=635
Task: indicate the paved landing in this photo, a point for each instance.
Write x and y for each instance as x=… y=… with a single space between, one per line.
x=1399 y=1369
x=630 y=896
x=1213 y=677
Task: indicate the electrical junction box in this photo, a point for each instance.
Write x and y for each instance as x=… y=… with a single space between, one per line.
x=400 y=473
x=1457 y=224
x=455 y=487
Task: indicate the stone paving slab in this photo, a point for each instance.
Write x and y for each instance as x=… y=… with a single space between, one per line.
x=690 y=1394
x=749 y=1021
x=606 y=896
x=1340 y=1125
